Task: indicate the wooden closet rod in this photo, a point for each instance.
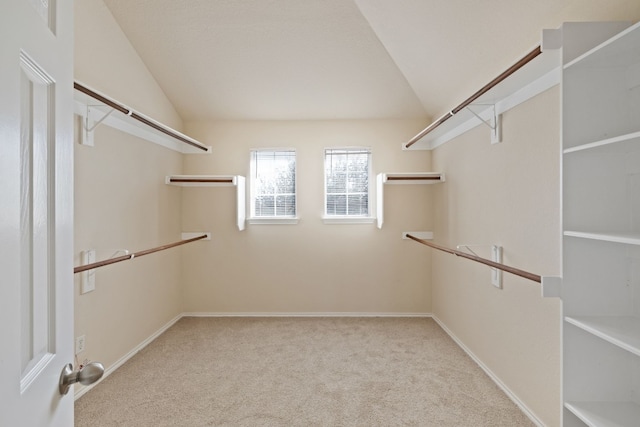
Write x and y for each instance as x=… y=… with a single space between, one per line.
x=499 y=266
x=414 y=178
x=136 y=116
x=91 y=266
x=509 y=71
x=205 y=180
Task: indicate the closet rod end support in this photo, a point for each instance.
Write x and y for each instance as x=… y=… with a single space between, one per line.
x=551 y=286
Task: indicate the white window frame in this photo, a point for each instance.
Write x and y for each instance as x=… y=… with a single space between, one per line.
x=252 y=219
x=350 y=219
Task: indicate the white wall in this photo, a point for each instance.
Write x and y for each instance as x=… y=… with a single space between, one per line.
x=506 y=194
x=121 y=201
x=106 y=61
x=311 y=266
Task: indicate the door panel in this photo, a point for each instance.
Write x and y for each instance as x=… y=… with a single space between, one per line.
x=36 y=211
x=36 y=283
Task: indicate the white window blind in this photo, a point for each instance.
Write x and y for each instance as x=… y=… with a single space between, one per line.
x=273 y=184
x=346 y=174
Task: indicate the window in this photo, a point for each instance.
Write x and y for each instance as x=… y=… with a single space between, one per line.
x=346 y=177
x=273 y=184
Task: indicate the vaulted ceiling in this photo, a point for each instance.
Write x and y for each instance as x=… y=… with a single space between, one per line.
x=337 y=59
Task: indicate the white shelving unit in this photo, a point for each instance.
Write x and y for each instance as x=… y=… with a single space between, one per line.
x=532 y=79
x=216 y=181
x=601 y=232
x=401 y=178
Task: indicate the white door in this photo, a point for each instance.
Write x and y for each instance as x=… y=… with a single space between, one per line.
x=36 y=211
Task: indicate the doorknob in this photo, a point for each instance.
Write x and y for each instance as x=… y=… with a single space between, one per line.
x=88 y=374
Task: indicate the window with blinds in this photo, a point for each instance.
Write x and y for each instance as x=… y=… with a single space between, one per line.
x=273 y=184
x=346 y=172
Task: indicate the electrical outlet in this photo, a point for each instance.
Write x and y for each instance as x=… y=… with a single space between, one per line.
x=80 y=342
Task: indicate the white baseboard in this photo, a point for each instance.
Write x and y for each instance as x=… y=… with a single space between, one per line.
x=81 y=391
x=491 y=375
x=308 y=314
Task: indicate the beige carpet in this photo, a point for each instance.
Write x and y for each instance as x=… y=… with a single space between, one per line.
x=299 y=372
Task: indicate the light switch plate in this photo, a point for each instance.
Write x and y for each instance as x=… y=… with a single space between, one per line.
x=88 y=278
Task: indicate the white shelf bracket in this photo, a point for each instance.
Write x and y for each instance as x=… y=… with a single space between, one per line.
x=468 y=247
x=89 y=125
x=494 y=123
x=496 y=256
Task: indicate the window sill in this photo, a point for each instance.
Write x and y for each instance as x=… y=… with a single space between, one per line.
x=348 y=219
x=273 y=220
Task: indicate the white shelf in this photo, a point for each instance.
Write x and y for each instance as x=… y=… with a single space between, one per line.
x=606 y=414
x=615 y=52
x=535 y=77
x=629 y=238
x=618 y=141
x=202 y=180
x=94 y=110
x=623 y=331
x=412 y=178
x=216 y=181
x=401 y=178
